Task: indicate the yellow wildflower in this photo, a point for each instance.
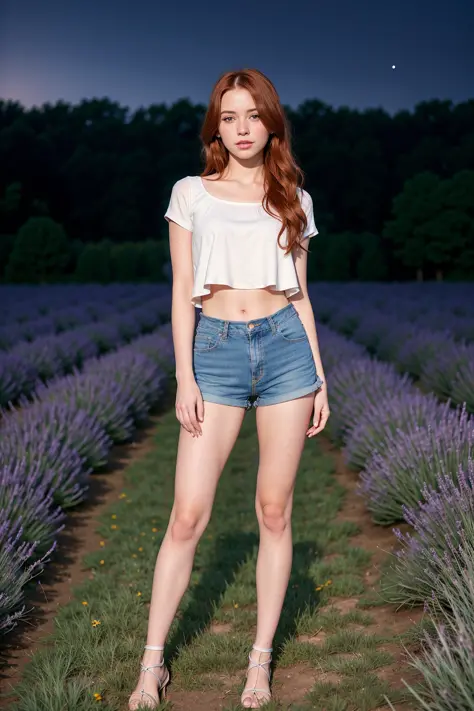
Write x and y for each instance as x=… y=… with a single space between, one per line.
x=102 y=543
x=154 y=530
x=134 y=555
x=139 y=594
x=84 y=602
x=114 y=516
x=140 y=549
x=102 y=562
x=114 y=527
x=95 y=623
x=97 y=697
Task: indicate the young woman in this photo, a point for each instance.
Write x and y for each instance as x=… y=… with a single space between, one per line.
x=238 y=236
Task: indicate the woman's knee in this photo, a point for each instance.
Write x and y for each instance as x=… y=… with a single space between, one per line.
x=273 y=517
x=187 y=526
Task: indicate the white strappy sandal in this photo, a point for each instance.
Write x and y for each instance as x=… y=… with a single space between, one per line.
x=161 y=683
x=249 y=691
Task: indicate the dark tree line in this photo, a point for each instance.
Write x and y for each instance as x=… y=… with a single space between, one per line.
x=104 y=172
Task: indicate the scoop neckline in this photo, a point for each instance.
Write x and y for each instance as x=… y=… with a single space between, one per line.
x=229 y=202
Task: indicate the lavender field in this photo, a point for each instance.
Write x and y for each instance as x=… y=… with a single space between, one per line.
x=80 y=368
x=400 y=367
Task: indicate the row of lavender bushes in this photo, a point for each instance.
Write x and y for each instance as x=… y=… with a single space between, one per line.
x=436 y=307
x=21 y=304
x=416 y=460
x=396 y=331
x=49 y=450
x=58 y=317
x=27 y=365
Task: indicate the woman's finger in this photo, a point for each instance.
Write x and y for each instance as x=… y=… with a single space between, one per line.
x=193 y=420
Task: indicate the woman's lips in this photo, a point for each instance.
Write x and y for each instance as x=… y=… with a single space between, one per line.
x=244 y=144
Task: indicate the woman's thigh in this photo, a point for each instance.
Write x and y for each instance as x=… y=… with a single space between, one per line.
x=200 y=460
x=281 y=435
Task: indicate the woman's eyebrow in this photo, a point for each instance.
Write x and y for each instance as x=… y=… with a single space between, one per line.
x=227 y=111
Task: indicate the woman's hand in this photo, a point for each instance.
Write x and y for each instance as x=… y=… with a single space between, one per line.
x=321 y=412
x=190 y=406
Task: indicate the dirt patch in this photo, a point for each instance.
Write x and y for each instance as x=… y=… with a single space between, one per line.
x=318 y=638
x=199 y=700
x=379 y=540
x=65 y=571
x=342 y=605
x=388 y=620
x=291 y=685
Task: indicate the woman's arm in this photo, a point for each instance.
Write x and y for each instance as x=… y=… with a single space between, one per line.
x=183 y=317
x=302 y=304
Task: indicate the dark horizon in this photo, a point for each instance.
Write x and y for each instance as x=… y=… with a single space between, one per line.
x=162 y=54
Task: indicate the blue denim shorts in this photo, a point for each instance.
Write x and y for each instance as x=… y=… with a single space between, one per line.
x=250 y=363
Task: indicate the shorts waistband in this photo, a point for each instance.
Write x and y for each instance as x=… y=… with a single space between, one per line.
x=256 y=325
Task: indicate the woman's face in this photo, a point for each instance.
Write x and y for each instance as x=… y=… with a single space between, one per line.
x=240 y=121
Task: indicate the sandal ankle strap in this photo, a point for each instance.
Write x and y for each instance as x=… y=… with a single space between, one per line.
x=261 y=649
x=153 y=646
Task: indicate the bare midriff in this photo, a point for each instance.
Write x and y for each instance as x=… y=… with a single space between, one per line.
x=230 y=304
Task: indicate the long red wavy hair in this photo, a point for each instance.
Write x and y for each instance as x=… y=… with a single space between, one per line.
x=282 y=176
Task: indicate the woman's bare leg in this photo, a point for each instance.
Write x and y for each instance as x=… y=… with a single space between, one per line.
x=281 y=433
x=199 y=464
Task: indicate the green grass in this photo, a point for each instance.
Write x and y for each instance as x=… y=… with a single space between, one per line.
x=96 y=647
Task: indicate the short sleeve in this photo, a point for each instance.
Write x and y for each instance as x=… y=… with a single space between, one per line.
x=307 y=205
x=179 y=208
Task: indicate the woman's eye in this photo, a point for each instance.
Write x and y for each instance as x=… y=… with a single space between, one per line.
x=227 y=118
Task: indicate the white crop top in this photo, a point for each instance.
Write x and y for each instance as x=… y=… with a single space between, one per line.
x=234 y=243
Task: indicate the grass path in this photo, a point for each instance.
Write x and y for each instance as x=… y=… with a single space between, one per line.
x=330 y=654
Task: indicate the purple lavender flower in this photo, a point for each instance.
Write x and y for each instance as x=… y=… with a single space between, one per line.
x=440 y=554
x=336 y=349
x=421 y=347
x=381 y=417
x=17 y=376
x=17 y=567
x=41 y=355
x=355 y=385
x=346 y=318
x=54 y=419
x=27 y=498
x=463 y=383
x=397 y=473
x=439 y=372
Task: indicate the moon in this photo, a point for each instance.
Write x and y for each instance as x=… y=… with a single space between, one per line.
x=393 y=66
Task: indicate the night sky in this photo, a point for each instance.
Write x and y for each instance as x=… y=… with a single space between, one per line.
x=139 y=52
